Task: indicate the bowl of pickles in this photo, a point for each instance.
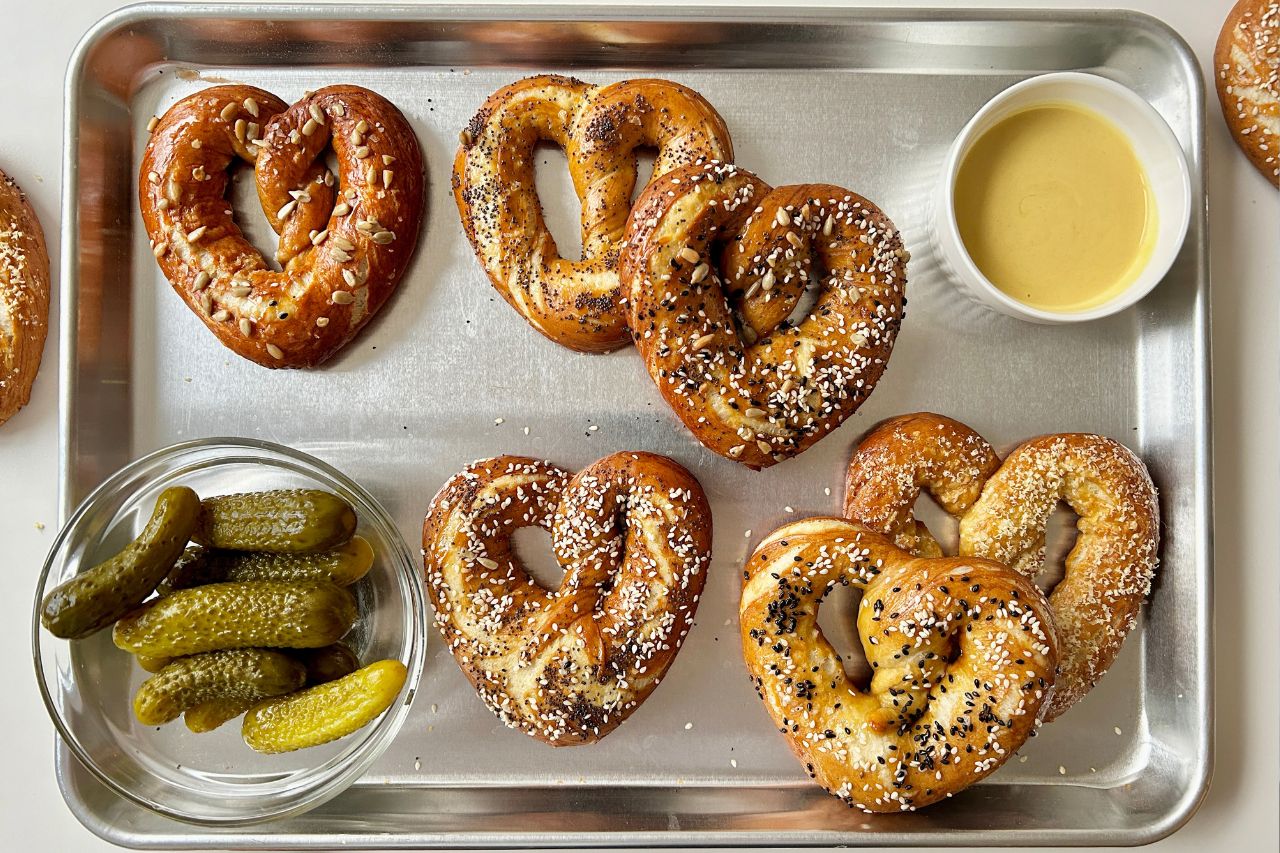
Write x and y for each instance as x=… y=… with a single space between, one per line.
x=228 y=631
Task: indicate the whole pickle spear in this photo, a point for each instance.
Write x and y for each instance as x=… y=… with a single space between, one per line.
x=326 y=712
x=343 y=566
x=212 y=713
x=216 y=616
x=289 y=520
x=243 y=674
x=94 y=599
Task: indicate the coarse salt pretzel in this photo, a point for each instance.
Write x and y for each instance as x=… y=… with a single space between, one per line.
x=340 y=261
x=24 y=297
x=633 y=533
x=768 y=391
x=1002 y=511
x=575 y=303
x=962 y=652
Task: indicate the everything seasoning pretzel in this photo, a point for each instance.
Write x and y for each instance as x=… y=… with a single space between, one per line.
x=1003 y=509
x=711 y=240
x=345 y=239
x=962 y=652
x=633 y=533
x=575 y=303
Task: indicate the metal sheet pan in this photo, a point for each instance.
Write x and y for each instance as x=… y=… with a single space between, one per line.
x=865 y=99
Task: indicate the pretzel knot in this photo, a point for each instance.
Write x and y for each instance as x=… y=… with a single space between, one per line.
x=575 y=303
x=633 y=533
x=341 y=261
x=962 y=652
x=717 y=261
x=1003 y=510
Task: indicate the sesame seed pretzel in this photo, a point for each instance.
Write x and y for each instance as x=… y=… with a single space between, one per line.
x=962 y=652
x=24 y=297
x=577 y=304
x=1247 y=59
x=761 y=390
x=1002 y=511
x=340 y=261
x=633 y=533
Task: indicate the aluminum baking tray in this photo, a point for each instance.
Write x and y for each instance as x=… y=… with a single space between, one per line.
x=867 y=99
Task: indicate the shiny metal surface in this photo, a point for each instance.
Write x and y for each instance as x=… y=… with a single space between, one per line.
x=865 y=99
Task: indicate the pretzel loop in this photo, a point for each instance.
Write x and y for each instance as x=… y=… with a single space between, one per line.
x=962 y=651
x=755 y=387
x=633 y=532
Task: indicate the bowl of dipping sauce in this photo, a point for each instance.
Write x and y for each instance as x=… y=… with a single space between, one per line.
x=1065 y=198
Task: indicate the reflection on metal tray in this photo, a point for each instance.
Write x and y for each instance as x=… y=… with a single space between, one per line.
x=868 y=100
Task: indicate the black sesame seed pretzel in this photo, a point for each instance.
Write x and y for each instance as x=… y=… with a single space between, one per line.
x=962 y=650
x=758 y=389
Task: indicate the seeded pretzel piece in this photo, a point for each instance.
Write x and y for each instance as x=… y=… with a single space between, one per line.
x=577 y=304
x=1002 y=511
x=962 y=650
x=711 y=241
x=633 y=533
x=346 y=238
x=24 y=297
x=1247 y=65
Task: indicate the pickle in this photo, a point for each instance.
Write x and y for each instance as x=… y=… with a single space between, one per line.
x=238 y=615
x=153 y=664
x=326 y=712
x=212 y=713
x=288 y=520
x=343 y=566
x=245 y=674
x=329 y=663
x=94 y=599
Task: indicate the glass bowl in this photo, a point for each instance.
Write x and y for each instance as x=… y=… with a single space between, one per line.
x=214 y=778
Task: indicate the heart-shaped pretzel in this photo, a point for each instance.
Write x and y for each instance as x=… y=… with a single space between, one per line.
x=1002 y=511
x=340 y=261
x=962 y=651
x=574 y=303
x=633 y=532
x=711 y=238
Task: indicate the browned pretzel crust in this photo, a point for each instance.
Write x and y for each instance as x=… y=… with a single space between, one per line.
x=962 y=651
x=1003 y=509
x=1247 y=65
x=761 y=390
x=341 y=261
x=24 y=297
x=633 y=532
x=575 y=303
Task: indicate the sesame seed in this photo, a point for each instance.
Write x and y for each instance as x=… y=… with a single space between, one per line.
x=688 y=726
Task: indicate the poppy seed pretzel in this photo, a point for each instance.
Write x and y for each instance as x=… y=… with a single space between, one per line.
x=764 y=392
x=345 y=238
x=577 y=304
x=633 y=533
x=1003 y=508
x=962 y=652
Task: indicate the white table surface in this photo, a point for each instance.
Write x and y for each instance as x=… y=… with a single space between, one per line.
x=1240 y=812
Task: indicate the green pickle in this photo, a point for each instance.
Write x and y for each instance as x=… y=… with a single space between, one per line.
x=288 y=520
x=329 y=663
x=343 y=566
x=212 y=713
x=94 y=599
x=242 y=674
x=325 y=712
x=153 y=664
x=216 y=616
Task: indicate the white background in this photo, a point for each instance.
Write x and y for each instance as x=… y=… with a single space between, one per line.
x=1240 y=812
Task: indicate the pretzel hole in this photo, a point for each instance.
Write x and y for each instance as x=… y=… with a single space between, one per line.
x=242 y=194
x=1059 y=538
x=838 y=621
x=944 y=528
x=561 y=210
x=532 y=547
x=645 y=157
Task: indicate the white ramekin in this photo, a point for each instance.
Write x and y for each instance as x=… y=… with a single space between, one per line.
x=1156 y=148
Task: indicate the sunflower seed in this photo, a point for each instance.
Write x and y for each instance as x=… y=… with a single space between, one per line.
x=251 y=106
x=309 y=127
x=688 y=254
x=246 y=326
x=699 y=273
x=202 y=280
x=228 y=112
x=342 y=297
x=287 y=209
x=382 y=238
x=703 y=342
x=275 y=352
x=322 y=321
